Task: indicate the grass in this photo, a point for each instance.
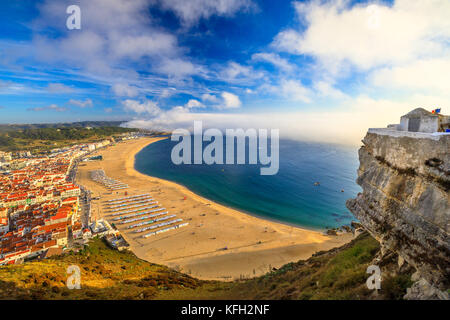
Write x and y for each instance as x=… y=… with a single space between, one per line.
x=108 y=274
x=105 y=274
x=395 y=286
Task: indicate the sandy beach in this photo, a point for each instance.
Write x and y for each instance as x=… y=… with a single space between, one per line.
x=254 y=245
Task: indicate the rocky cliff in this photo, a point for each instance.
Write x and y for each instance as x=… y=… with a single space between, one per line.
x=405 y=203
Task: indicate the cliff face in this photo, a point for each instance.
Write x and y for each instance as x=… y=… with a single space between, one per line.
x=405 y=201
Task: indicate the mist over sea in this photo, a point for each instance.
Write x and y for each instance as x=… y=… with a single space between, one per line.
x=289 y=196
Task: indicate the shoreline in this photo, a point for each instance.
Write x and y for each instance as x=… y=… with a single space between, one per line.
x=254 y=245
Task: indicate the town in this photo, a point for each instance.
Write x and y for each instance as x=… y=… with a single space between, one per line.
x=42 y=211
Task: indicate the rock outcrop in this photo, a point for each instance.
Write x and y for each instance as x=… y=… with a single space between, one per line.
x=405 y=203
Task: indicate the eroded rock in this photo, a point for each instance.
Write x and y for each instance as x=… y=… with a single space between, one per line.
x=405 y=203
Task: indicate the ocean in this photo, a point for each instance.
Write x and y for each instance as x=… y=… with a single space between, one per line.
x=289 y=197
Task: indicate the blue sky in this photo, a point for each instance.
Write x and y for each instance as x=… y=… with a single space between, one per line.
x=320 y=70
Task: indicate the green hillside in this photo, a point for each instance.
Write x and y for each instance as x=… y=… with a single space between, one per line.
x=81 y=124
x=108 y=274
x=105 y=274
x=44 y=139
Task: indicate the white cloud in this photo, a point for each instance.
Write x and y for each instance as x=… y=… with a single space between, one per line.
x=59 y=88
x=235 y=72
x=230 y=101
x=177 y=67
x=326 y=89
x=167 y=92
x=4 y=84
x=274 y=59
x=115 y=35
x=108 y=110
x=190 y=12
x=294 y=90
x=192 y=103
x=425 y=75
x=146 y=107
x=52 y=107
x=82 y=104
x=14 y=88
x=401 y=50
x=125 y=90
x=135 y=47
x=209 y=98
x=227 y=100
x=368 y=36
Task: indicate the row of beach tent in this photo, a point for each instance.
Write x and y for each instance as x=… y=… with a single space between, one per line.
x=144 y=210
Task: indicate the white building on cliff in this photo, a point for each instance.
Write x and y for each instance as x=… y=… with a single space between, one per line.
x=421 y=120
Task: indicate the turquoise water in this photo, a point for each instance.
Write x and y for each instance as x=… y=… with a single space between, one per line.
x=289 y=196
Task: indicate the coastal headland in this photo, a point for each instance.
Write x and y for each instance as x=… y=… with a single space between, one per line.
x=219 y=243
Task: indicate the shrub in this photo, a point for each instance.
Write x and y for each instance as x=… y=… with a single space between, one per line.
x=394 y=288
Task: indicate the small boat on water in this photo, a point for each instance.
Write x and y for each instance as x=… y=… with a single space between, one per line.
x=317 y=183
